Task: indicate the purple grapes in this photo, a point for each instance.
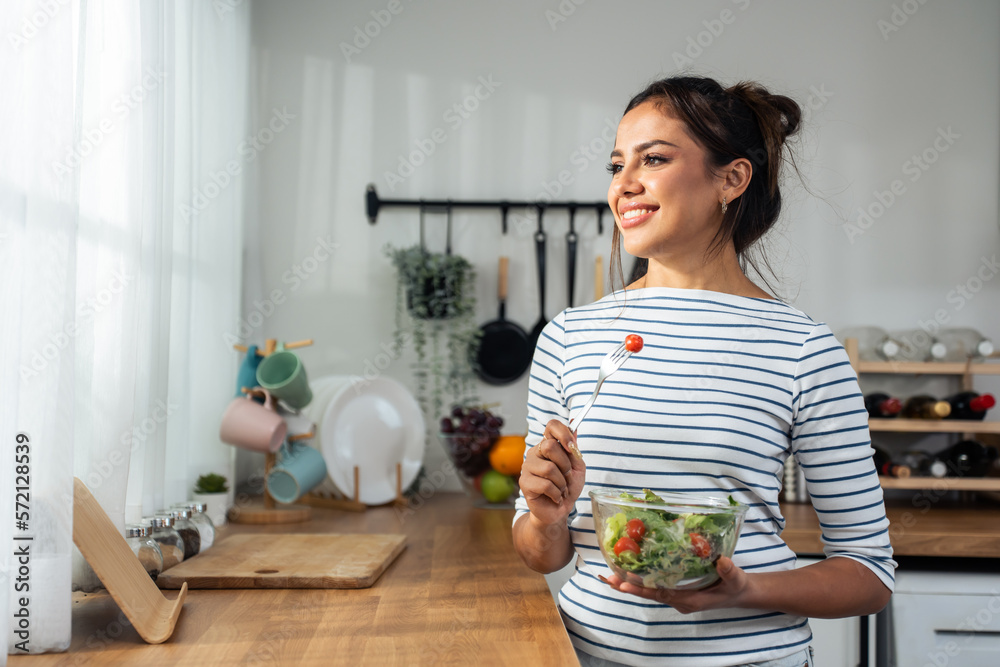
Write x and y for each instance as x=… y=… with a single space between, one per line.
x=469 y=434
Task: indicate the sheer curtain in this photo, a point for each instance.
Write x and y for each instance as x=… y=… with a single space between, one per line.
x=121 y=205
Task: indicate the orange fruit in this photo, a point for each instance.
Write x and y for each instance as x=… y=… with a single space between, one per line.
x=507 y=454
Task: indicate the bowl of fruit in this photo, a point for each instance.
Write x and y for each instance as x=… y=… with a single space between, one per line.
x=486 y=462
x=665 y=541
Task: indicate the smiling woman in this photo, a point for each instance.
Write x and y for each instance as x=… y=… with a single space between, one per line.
x=730 y=383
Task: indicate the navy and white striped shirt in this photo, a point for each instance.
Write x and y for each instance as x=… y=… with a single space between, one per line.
x=724 y=390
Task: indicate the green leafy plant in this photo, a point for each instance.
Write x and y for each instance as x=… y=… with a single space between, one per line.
x=211 y=483
x=435 y=309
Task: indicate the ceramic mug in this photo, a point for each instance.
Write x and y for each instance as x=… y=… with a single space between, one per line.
x=253 y=426
x=247 y=375
x=283 y=374
x=300 y=469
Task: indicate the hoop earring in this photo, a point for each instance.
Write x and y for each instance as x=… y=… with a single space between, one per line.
x=725 y=207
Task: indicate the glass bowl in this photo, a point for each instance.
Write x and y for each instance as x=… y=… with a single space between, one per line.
x=472 y=466
x=668 y=541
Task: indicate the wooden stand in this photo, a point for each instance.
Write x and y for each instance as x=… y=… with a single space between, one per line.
x=354 y=504
x=266 y=510
x=131 y=587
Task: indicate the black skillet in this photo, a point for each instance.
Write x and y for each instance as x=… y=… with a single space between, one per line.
x=504 y=351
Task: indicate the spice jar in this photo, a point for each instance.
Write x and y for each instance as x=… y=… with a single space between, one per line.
x=187 y=529
x=206 y=529
x=171 y=544
x=145 y=548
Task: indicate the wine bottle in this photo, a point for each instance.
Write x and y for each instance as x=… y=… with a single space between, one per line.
x=914 y=345
x=968 y=458
x=874 y=344
x=882 y=406
x=926 y=407
x=924 y=464
x=960 y=345
x=970 y=405
x=885 y=466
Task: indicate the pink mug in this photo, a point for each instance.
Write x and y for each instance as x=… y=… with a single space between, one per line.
x=253 y=426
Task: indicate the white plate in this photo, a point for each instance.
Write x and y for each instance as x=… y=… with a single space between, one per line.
x=372 y=425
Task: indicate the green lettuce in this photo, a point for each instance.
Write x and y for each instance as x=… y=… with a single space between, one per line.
x=666 y=555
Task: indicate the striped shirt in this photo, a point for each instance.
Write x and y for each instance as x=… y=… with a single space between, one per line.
x=724 y=390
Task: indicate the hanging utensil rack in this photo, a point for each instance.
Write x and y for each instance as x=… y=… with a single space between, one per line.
x=373 y=203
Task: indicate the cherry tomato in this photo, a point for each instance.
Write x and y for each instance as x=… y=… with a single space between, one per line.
x=626 y=544
x=700 y=546
x=635 y=529
x=633 y=343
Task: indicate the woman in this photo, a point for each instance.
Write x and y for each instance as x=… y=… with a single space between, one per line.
x=730 y=383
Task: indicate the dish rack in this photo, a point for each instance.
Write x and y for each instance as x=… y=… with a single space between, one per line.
x=268 y=510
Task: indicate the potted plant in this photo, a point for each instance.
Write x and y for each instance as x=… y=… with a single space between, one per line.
x=212 y=490
x=435 y=309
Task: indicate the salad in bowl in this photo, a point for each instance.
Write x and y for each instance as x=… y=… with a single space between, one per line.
x=670 y=541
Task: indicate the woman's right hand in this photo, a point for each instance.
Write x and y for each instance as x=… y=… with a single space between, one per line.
x=552 y=475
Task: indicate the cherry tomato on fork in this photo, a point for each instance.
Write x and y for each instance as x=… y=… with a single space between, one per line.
x=633 y=343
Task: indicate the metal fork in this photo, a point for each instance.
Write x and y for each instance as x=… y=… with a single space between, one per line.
x=609 y=365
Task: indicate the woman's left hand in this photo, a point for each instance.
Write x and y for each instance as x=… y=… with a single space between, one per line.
x=725 y=593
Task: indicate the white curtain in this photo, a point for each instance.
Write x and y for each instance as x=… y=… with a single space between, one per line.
x=122 y=172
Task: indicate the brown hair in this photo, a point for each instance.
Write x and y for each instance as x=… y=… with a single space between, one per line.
x=743 y=121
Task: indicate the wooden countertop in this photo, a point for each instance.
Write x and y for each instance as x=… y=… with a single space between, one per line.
x=457 y=595
x=915 y=529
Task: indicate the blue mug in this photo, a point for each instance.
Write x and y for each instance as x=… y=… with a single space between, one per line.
x=299 y=470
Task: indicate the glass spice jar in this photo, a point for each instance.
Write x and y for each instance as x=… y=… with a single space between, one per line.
x=171 y=544
x=146 y=549
x=206 y=529
x=187 y=529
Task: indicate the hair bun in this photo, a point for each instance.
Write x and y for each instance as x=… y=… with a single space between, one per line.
x=778 y=116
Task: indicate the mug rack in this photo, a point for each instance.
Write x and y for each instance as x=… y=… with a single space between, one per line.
x=269 y=511
x=374 y=203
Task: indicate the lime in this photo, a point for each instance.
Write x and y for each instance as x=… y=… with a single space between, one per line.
x=497 y=487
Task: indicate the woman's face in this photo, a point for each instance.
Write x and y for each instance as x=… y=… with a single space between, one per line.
x=665 y=201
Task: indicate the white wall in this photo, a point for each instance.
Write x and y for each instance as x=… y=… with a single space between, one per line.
x=883 y=98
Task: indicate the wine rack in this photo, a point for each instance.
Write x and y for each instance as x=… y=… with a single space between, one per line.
x=967 y=371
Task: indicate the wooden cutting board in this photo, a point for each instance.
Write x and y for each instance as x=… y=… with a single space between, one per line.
x=288 y=561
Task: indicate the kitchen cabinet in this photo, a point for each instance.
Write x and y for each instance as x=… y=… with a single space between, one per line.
x=943 y=617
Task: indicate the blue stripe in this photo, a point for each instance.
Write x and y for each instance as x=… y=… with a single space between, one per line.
x=638 y=304
x=817 y=434
x=656 y=605
x=735 y=635
x=833 y=540
x=857 y=492
x=727 y=392
x=680 y=655
x=689 y=427
x=828 y=384
x=648 y=441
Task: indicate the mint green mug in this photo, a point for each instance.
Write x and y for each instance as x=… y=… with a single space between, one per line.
x=283 y=374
